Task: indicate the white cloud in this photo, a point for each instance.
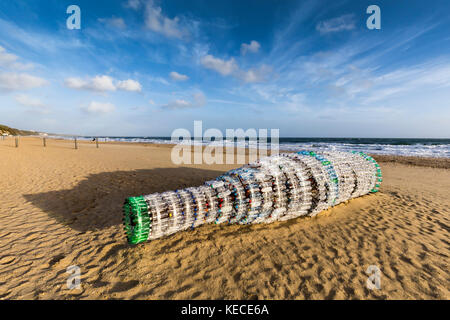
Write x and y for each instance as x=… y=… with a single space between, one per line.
x=28 y=101
x=98 y=83
x=255 y=75
x=75 y=83
x=345 y=22
x=178 y=76
x=103 y=83
x=158 y=22
x=287 y=99
x=296 y=102
x=178 y=104
x=18 y=66
x=404 y=83
x=32 y=104
x=113 y=22
x=99 y=107
x=151 y=102
x=198 y=100
x=223 y=67
x=230 y=68
x=10 y=81
x=129 y=85
x=39 y=40
x=252 y=47
x=6 y=58
x=9 y=60
x=158 y=80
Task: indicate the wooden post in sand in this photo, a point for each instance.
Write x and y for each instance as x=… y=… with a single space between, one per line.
x=76 y=144
x=17 y=141
x=96 y=142
x=44 y=141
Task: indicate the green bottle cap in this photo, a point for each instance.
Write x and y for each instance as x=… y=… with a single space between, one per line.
x=137 y=221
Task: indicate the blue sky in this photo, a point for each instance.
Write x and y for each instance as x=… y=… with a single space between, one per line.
x=145 y=68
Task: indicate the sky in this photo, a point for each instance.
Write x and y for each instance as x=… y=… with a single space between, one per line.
x=148 y=67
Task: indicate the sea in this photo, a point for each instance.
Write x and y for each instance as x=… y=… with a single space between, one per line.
x=439 y=148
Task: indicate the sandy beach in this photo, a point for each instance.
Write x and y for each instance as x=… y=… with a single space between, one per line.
x=61 y=207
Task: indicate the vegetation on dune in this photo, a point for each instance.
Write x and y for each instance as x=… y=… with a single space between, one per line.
x=5 y=130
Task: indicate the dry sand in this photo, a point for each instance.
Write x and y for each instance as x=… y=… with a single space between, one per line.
x=62 y=207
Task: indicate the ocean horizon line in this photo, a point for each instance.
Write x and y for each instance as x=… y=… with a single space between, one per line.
x=421 y=147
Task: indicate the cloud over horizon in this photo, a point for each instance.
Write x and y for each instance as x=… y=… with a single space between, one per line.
x=198 y=100
x=96 y=107
x=11 y=81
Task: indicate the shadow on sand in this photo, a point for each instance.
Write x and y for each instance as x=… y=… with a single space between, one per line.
x=96 y=202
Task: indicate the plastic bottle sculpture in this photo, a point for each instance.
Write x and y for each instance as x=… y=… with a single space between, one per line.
x=273 y=188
